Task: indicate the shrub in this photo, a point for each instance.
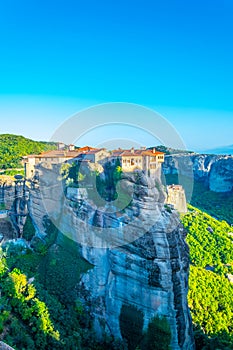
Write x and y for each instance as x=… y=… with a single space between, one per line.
x=29 y=229
x=158 y=335
x=131 y=325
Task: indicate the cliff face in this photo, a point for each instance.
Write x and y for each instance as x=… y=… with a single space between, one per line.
x=151 y=273
x=14 y=197
x=139 y=254
x=221 y=175
x=215 y=171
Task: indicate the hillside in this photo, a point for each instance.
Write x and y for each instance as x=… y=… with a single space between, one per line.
x=169 y=150
x=13 y=147
x=210 y=291
x=212 y=202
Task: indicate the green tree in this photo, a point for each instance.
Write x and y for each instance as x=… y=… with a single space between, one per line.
x=64 y=170
x=158 y=335
x=28 y=229
x=14 y=147
x=131 y=325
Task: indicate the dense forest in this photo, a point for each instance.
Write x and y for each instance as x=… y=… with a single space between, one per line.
x=210 y=291
x=217 y=204
x=14 y=147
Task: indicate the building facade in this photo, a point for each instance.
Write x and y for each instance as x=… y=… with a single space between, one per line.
x=138 y=159
x=130 y=160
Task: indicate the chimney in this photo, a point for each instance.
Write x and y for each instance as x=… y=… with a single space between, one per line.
x=132 y=150
x=154 y=150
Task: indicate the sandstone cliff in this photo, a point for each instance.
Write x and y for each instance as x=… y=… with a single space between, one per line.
x=151 y=273
x=138 y=253
x=13 y=196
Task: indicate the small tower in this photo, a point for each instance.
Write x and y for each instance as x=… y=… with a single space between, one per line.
x=61 y=146
x=71 y=147
x=176 y=197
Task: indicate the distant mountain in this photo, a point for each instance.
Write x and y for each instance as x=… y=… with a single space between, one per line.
x=169 y=150
x=219 y=150
x=14 y=147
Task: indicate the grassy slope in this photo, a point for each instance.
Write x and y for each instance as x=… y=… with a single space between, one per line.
x=217 y=204
x=13 y=147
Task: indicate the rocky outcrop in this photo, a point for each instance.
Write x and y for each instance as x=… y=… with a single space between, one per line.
x=176 y=197
x=7 y=194
x=139 y=257
x=46 y=195
x=221 y=175
x=7 y=231
x=151 y=273
x=14 y=197
x=214 y=170
x=138 y=252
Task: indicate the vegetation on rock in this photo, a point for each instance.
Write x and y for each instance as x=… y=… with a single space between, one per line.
x=156 y=337
x=131 y=325
x=40 y=305
x=14 y=147
x=28 y=229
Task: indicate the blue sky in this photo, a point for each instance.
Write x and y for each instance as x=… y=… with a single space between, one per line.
x=174 y=56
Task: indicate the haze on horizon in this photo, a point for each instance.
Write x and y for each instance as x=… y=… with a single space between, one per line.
x=172 y=56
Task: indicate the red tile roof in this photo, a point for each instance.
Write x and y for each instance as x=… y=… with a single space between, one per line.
x=91 y=150
x=95 y=150
x=55 y=154
x=86 y=149
x=135 y=152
